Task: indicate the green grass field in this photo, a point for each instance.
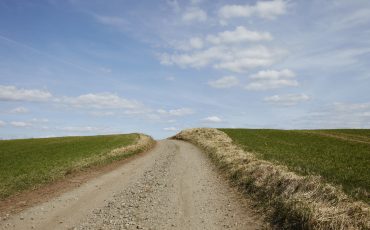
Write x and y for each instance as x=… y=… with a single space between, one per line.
x=341 y=157
x=28 y=163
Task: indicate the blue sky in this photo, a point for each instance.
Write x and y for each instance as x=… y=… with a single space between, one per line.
x=86 y=67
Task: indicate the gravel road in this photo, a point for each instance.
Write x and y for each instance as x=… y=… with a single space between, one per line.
x=175 y=186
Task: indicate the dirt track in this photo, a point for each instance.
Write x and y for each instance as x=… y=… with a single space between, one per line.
x=175 y=186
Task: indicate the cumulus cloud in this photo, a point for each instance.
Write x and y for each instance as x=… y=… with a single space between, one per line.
x=171 y=129
x=12 y=93
x=229 y=37
x=2 y=123
x=230 y=50
x=194 y=14
x=212 y=119
x=196 y=59
x=262 y=9
x=224 y=82
x=235 y=59
x=287 y=100
x=196 y=43
x=273 y=74
x=192 y=43
x=240 y=34
x=240 y=65
x=99 y=101
x=272 y=79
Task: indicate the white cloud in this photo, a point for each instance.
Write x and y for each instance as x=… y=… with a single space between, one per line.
x=40 y=120
x=273 y=74
x=181 y=112
x=272 y=79
x=212 y=119
x=194 y=14
x=240 y=34
x=191 y=44
x=232 y=11
x=20 y=124
x=235 y=59
x=196 y=59
x=102 y=113
x=224 y=82
x=2 y=123
x=35 y=122
x=99 y=101
x=172 y=129
x=229 y=50
x=240 y=65
x=262 y=9
x=176 y=112
x=287 y=100
x=12 y=93
x=19 y=110
x=196 y=43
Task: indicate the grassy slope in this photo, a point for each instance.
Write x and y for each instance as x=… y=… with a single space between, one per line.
x=30 y=162
x=336 y=155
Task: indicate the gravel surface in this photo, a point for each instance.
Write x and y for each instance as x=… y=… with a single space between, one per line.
x=175 y=186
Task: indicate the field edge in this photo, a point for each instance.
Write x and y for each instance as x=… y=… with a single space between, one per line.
x=75 y=176
x=291 y=201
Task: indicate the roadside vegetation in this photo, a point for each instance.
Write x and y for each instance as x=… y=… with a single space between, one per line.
x=341 y=157
x=292 y=197
x=29 y=163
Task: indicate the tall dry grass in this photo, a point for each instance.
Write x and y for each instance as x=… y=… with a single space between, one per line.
x=292 y=201
x=141 y=144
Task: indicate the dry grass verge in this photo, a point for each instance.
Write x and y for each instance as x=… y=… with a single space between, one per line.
x=292 y=201
x=143 y=143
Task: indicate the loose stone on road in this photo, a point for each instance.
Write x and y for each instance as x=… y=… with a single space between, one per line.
x=175 y=186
